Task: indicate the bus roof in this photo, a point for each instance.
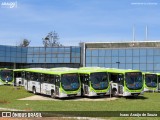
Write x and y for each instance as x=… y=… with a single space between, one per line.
x=18 y=69
x=148 y=73
x=114 y=70
x=158 y=73
x=24 y=69
x=63 y=69
x=89 y=70
x=5 y=69
x=48 y=71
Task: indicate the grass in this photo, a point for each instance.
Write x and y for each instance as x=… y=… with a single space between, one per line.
x=9 y=96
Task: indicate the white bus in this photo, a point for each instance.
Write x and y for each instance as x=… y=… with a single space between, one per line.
x=58 y=84
x=95 y=81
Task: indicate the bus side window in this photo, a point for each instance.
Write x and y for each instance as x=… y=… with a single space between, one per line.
x=86 y=80
x=57 y=81
x=18 y=74
x=46 y=78
x=35 y=76
x=121 y=79
x=52 y=79
x=158 y=79
x=41 y=77
x=31 y=76
x=28 y=76
x=114 y=78
x=23 y=74
x=82 y=78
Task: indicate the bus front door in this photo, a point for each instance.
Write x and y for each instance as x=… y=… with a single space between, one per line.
x=86 y=85
x=121 y=83
x=117 y=83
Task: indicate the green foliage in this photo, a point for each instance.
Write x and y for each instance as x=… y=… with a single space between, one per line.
x=51 y=40
x=9 y=99
x=10 y=93
x=24 y=43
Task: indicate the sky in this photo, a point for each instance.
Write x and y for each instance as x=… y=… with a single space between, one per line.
x=78 y=21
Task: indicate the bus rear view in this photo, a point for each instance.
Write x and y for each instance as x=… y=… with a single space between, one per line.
x=6 y=77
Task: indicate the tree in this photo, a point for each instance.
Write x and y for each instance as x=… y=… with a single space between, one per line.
x=51 y=40
x=24 y=43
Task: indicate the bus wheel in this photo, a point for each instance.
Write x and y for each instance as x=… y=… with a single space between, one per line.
x=53 y=94
x=34 y=90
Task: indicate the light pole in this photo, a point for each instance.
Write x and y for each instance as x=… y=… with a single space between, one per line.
x=118 y=64
x=45 y=58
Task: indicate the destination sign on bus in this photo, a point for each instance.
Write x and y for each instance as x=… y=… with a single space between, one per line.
x=133 y=73
x=151 y=75
x=69 y=75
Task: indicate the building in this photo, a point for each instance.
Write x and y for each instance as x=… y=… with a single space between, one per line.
x=143 y=55
x=26 y=57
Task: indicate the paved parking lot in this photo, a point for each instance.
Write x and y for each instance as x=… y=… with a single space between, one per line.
x=42 y=97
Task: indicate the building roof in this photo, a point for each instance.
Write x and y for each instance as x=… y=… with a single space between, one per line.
x=130 y=44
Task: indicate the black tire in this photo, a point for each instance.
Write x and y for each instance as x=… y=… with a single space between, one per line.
x=34 y=90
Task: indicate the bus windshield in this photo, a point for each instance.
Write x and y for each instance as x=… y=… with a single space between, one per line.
x=7 y=75
x=151 y=80
x=134 y=80
x=70 y=82
x=99 y=80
